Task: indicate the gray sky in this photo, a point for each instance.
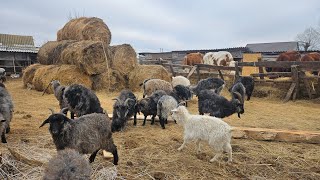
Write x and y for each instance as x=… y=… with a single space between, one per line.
x=149 y=25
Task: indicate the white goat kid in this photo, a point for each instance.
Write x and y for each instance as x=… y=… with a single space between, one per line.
x=204 y=128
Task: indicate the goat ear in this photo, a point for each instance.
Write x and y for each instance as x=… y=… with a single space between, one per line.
x=182 y=103
x=3 y=120
x=44 y=122
x=174 y=110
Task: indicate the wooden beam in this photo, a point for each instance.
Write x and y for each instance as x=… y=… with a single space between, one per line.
x=198 y=73
x=237 y=71
x=214 y=67
x=283 y=74
x=295 y=78
x=261 y=75
x=191 y=72
x=311 y=65
x=172 y=71
x=290 y=91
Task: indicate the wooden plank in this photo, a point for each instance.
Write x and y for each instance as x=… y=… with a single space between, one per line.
x=172 y=71
x=237 y=71
x=290 y=91
x=284 y=64
x=263 y=134
x=283 y=74
x=198 y=73
x=191 y=71
x=214 y=67
x=261 y=70
x=295 y=78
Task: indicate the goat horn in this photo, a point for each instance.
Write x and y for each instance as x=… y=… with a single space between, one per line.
x=127 y=100
x=44 y=122
x=117 y=99
x=64 y=110
x=52 y=111
x=239 y=97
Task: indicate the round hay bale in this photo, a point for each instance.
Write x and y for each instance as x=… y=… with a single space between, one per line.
x=124 y=58
x=89 y=56
x=112 y=81
x=142 y=72
x=85 y=28
x=50 y=52
x=66 y=74
x=28 y=74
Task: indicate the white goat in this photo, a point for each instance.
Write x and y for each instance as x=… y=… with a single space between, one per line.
x=205 y=128
x=180 y=80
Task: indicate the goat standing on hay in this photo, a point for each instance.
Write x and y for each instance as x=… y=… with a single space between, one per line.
x=86 y=134
x=6 y=109
x=204 y=128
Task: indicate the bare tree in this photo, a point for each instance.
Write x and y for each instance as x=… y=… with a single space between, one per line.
x=309 y=39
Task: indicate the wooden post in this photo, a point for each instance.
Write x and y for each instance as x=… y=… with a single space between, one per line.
x=198 y=73
x=237 y=74
x=220 y=74
x=172 y=71
x=260 y=69
x=295 y=78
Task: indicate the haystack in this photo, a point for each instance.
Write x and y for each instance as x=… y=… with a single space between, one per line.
x=85 y=29
x=50 y=52
x=66 y=74
x=142 y=72
x=91 y=57
x=124 y=58
x=28 y=74
x=112 y=81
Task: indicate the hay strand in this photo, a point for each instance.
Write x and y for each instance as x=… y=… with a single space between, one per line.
x=124 y=59
x=28 y=74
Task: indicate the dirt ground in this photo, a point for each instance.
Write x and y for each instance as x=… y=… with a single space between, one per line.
x=149 y=152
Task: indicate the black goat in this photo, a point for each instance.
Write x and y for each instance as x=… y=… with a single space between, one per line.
x=248 y=83
x=219 y=106
x=81 y=100
x=124 y=107
x=215 y=84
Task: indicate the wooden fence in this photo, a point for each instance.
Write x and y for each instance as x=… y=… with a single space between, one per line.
x=297 y=73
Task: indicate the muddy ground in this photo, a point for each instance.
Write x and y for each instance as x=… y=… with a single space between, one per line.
x=149 y=152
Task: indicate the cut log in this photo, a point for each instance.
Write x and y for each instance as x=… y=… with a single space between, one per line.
x=32 y=162
x=276 y=135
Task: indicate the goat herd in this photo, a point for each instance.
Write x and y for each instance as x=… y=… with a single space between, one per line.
x=92 y=129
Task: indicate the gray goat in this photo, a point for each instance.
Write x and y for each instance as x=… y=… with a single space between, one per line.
x=58 y=91
x=124 y=108
x=68 y=164
x=238 y=87
x=164 y=107
x=219 y=106
x=86 y=134
x=215 y=84
x=81 y=100
x=6 y=109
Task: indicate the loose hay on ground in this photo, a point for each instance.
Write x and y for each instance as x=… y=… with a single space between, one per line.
x=124 y=59
x=142 y=72
x=89 y=56
x=66 y=74
x=28 y=74
x=85 y=28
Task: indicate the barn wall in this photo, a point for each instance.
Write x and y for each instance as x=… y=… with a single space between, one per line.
x=19 y=59
x=250 y=57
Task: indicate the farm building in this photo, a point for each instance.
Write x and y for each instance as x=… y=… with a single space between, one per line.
x=16 y=52
x=265 y=49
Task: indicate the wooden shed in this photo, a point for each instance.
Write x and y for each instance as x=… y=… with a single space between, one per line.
x=16 y=52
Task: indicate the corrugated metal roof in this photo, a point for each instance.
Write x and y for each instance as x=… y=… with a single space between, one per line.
x=17 y=43
x=213 y=50
x=273 y=47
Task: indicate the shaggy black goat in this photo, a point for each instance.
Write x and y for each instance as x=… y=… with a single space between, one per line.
x=123 y=108
x=81 y=100
x=215 y=84
x=181 y=93
x=219 y=106
x=86 y=134
x=248 y=83
x=148 y=106
x=238 y=87
x=6 y=109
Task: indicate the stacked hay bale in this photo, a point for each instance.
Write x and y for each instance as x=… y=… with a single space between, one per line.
x=82 y=54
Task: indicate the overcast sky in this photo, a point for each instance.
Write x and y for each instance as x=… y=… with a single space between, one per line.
x=149 y=25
